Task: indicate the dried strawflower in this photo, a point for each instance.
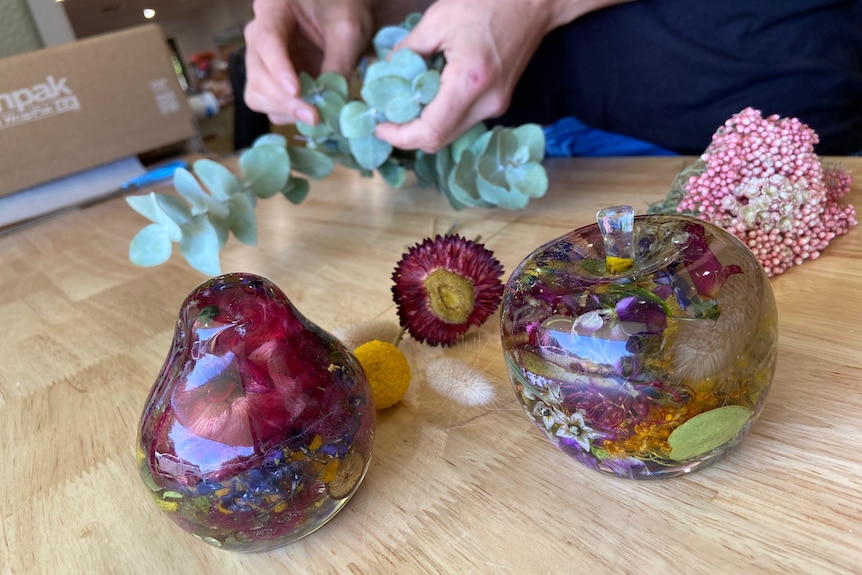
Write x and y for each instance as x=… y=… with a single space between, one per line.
x=761 y=180
x=445 y=285
x=387 y=370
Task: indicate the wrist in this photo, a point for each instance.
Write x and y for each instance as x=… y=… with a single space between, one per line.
x=561 y=12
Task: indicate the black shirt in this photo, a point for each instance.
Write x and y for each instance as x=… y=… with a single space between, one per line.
x=670 y=72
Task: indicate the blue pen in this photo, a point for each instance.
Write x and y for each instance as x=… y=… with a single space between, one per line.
x=155 y=175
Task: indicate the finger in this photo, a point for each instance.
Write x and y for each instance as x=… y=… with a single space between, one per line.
x=269 y=98
x=265 y=93
x=269 y=51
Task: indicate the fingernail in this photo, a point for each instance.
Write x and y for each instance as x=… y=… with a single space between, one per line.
x=305 y=116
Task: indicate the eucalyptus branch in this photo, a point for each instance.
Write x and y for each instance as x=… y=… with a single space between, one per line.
x=482 y=168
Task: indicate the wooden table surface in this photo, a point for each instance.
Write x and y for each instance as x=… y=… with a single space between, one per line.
x=450 y=489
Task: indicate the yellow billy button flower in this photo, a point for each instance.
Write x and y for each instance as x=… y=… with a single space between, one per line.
x=387 y=370
x=616 y=265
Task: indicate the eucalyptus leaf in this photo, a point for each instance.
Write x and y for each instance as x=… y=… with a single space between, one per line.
x=444 y=164
x=370 y=152
x=377 y=93
x=329 y=104
x=377 y=70
x=314 y=164
x=407 y=64
x=454 y=196
x=200 y=246
x=393 y=173
x=242 y=220
x=175 y=208
x=189 y=188
x=149 y=207
x=386 y=39
x=221 y=183
x=464 y=177
x=529 y=179
x=507 y=146
x=319 y=131
x=270 y=140
x=458 y=197
x=357 y=120
x=425 y=86
x=532 y=136
x=412 y=20
x=462 y=182
x=265 y=169
x=521 y=156
x=480 y=145
x=488 y=164
x=499 y=195
x=438 y=61
x=402 y=108
x=425 y=167
x=150 y=247
x=143 y=204
x=333 y=82
x=221 y=227
x=346 y=158
x=467 y=139
x=444 y=168
x=296 y=190
x=342 y=145
x=307 y=85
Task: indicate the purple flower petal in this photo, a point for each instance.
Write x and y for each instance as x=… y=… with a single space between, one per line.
x=639 y=316
x=705 y=270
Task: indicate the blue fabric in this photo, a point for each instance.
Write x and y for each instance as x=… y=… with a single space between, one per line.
x=569 y=137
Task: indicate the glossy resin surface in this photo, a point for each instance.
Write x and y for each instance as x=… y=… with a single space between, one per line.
x=645 y=365
x=260 y=426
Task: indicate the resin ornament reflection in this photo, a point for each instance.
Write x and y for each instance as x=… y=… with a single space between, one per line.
x=260 y=426
x=642 y=346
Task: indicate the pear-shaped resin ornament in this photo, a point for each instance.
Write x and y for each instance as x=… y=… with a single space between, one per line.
x=642 y=346
x=260 y=425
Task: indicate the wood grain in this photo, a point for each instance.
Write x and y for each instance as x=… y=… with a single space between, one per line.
x=450 y=489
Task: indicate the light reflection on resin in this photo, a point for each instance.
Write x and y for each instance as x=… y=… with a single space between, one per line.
x=647 y=368
x=260 y=426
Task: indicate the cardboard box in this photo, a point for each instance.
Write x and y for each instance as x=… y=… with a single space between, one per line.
x=76 y=106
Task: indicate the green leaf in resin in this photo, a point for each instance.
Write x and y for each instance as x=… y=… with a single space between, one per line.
x=703 y=433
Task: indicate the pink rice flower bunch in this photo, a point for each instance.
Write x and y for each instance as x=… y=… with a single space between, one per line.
x=761 y=180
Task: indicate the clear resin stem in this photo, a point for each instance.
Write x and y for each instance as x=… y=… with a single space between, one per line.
x=617 y=227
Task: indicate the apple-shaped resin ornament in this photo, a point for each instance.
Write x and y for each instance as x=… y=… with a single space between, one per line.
x=642 y=346
x=260 y=425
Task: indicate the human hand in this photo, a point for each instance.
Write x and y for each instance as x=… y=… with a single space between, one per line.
x=487 y=45
x=289 y=36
